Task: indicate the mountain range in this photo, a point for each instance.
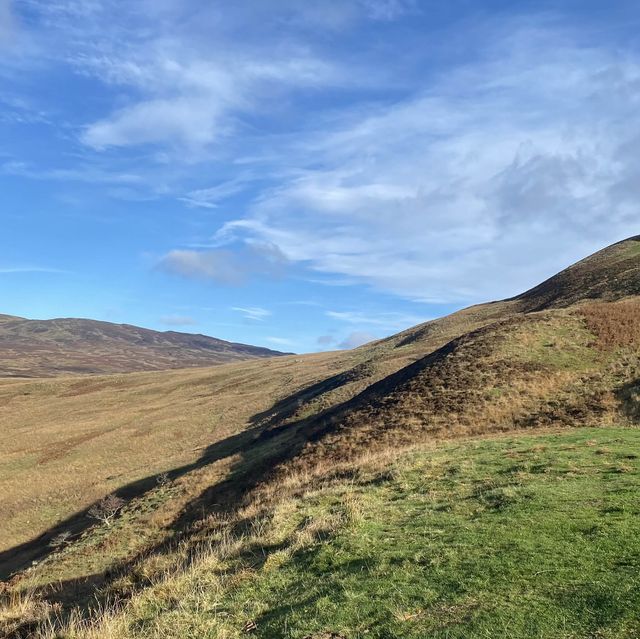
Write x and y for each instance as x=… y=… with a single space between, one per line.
x=47 y=348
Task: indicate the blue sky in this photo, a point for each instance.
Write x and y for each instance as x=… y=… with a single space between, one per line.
x=308 y=176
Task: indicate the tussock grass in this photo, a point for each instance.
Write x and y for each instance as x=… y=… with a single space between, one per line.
x=519 y=536
x=617 y=325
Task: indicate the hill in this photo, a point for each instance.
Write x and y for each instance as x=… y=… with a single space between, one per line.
x=241 y=481
x=46 y=348
x=608 y=275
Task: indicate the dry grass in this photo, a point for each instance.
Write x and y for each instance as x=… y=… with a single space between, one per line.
x=616 y=325
x=227 y=549
x=528 y=371
x=71 y=441
x=68 y=442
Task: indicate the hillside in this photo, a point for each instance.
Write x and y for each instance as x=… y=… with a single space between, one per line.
x=241 y=481
x=608 y=275
x=433 y=542
x=46 y=348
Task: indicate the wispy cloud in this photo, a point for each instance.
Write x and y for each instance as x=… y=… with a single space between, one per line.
x=211 y=197
x=355 y=339
x=88 y=174
x=254 y=313
x=8 y=270
x=7 y=23
x=193 y=97
x=361 y=144
x=496 y=175
x=388 y=320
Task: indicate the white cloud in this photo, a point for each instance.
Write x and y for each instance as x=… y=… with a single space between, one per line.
x=388 y=320
x=188 y=121
x=225 y=266
x=501 y=172
x=357 y=338
x=192 y=98
x=461 y=187
x=211 y=197
x=255 y=313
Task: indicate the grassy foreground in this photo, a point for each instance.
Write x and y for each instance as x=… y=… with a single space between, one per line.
x=513 y=536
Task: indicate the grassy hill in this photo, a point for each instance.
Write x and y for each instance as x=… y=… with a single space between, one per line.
x=46 y=348
x=241 y=483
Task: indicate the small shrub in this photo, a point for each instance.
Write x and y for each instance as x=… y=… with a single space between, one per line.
x=163 y=479
x=106 y=509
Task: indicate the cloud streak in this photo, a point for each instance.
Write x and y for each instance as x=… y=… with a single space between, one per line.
x=495 y=176
x=10 y=270
x=225 y=266
x=254 y=313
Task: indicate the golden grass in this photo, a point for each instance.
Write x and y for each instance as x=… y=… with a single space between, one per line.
x=68 y=442
x=616 y=324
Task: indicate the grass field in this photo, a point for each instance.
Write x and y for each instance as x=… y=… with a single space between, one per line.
x=67 y=442
x=513 y=536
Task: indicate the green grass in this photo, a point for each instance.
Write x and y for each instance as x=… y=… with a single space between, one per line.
x=633 y=250
x=560 y=343
x=519 y=537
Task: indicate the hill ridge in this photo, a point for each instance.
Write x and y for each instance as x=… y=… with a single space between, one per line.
x=78 y=346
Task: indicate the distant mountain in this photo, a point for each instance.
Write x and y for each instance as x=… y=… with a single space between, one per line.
x=47 y=348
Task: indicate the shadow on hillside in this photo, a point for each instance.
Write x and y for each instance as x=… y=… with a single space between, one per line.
x=266 y=443
x=629 y=398
x=21 y=556
x=289 y=406
x=261 y=449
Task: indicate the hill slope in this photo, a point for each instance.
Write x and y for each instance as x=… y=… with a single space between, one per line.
x=243 y=444
x=436 y=542
x=607 y=275
x=44 y=348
